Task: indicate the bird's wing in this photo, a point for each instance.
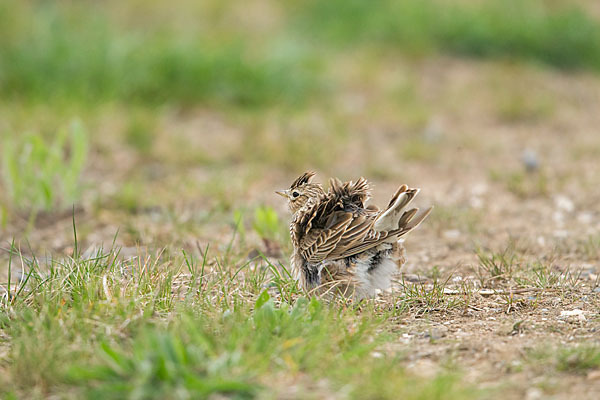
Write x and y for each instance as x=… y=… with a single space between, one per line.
x=366 y=239
x=317 y=243
x=345 y=230
x=335 y=229
x=352 y=235
x=338 y=217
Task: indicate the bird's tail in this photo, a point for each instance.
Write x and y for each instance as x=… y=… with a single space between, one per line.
x=395 y=217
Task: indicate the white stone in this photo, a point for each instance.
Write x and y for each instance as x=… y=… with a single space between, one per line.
x=562 y=202
x=574 y=314
x=452 y=234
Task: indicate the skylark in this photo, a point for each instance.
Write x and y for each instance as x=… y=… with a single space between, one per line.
x=343 y=245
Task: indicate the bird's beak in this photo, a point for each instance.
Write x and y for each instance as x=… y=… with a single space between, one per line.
x=281 y=193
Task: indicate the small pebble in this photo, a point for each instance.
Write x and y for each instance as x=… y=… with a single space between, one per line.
x=534 y=394
x=413 y=278
x=576 y=314
x=437 y=333
x=585 y=218
x=476 y=202
x=563 y=203
x=561 y=234
x=593 y=375
x=433 y=131
x=530 y=160
x=452 y=234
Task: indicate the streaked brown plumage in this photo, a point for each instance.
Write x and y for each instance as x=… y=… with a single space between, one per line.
x=342 y=244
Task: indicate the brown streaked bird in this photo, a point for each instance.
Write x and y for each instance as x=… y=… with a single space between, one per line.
x=340 y=243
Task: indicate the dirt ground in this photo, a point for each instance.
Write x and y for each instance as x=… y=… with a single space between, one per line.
x=508 y=155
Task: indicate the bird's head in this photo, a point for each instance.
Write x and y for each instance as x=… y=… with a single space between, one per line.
x=300 y=191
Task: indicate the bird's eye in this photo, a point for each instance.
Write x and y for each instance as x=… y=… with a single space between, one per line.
x=295 y=194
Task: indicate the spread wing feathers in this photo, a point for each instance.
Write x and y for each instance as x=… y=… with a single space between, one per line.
x=390 y=218
x=320 y=212
x=328 y=230
x=303 y=179
x=350 y=193
x=413 y=219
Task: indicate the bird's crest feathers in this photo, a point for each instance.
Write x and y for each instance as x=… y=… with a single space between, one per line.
x=303 y=179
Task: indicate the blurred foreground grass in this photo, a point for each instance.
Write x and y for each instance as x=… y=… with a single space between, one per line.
x=177 y=326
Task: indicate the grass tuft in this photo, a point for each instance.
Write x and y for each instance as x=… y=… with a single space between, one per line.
x=266 y=223
x=579 y=359
x=574 y=359
x=42 y=175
